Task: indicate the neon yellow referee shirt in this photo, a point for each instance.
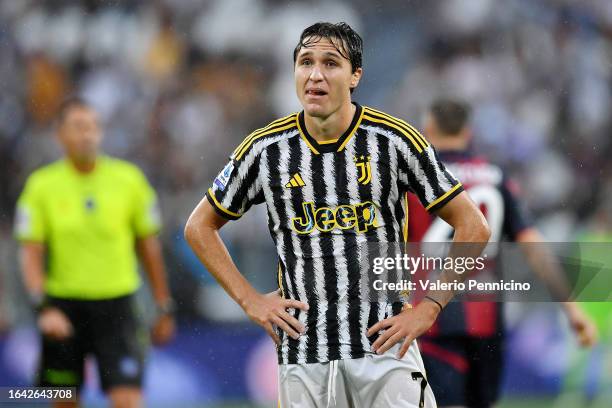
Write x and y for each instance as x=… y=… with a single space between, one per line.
x=88 y=223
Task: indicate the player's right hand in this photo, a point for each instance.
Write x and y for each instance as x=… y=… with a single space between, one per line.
x=53 y=323
x=271 y=310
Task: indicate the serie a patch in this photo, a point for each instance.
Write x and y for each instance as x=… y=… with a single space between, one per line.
x=223 y=178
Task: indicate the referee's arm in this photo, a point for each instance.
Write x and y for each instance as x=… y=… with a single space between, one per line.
x=150 y=253
x=51 y=321
x=31 y=257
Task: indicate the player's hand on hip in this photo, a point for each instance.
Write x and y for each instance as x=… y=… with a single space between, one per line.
x=163 y=329
x=53 y=323
x=271 y=310
x=406 y=326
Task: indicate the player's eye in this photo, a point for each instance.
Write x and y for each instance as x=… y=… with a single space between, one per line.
x=331 y=63
x=306 y=61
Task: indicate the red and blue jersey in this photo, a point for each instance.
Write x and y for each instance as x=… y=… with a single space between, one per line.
x=496 y=196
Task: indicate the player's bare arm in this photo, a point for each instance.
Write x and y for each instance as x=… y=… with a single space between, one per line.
x=32 y=260
x=470 y=227
x=150 y=253
x=269 y=310
x=52 y=322
x=548 y=271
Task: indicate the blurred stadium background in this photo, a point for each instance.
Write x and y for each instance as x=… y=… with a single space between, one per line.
x=179 y=83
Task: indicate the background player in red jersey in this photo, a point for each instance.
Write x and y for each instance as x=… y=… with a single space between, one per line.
x=463 y=351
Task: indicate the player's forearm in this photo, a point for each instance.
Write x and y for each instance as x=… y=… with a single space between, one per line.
x=571 y=309
x=470 y=239
x=31 y=256
x=212 y=252
x=475 y=232
x=544 y=263
x=150 y=252
x=459 y=249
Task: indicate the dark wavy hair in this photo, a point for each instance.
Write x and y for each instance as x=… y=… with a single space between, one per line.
x=346 y=41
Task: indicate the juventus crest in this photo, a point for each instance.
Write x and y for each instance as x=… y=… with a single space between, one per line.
x=365 y=171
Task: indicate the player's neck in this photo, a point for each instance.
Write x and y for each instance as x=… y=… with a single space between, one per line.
x=451 y=142
x=83 y=166
x=331 y=127
x=453 y=145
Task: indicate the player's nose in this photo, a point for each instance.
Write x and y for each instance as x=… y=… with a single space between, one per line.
x=316 y=74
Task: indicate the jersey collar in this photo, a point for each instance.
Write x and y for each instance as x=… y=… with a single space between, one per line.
x=332 y=146
x=72 y=170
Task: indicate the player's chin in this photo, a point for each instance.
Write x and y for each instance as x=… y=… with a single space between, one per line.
x=86 y=155
x=316 y=110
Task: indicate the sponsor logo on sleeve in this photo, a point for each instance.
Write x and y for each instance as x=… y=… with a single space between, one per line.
x=223 y=178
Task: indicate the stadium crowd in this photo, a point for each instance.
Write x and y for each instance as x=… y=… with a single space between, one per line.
x=180 y=83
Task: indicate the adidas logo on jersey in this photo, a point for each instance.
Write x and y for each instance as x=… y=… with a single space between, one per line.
x=296 y=181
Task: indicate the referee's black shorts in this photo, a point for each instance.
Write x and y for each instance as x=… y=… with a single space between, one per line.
x=109 y=330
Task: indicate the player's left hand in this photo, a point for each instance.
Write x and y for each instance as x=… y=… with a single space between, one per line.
x=163 y=330
x=408 y=325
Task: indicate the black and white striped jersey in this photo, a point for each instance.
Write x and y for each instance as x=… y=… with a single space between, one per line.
x=324 y=200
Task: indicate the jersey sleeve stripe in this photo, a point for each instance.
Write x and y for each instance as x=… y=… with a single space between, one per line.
x=219 y=208
x=440 y=201
x=402 y=123
x=255 y=133
x=396 y=127
x=262 y=134
x=280 y=281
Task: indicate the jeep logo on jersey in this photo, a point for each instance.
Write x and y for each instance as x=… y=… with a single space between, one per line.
x=360 y=216
x=365 y=170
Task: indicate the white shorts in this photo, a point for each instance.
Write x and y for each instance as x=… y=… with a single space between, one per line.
x=372 y=381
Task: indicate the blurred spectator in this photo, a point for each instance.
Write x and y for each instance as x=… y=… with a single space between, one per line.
x=180 y=83
x=47 y=87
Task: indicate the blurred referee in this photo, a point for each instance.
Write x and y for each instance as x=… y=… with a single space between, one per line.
x=81 y=222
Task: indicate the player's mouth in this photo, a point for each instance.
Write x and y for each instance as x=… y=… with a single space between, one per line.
x=315 y=92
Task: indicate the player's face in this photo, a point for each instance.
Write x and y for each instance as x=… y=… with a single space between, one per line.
x=323 y=78
x=80 y=134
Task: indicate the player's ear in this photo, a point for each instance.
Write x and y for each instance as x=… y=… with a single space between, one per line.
x=467 y=134
x=355 y=77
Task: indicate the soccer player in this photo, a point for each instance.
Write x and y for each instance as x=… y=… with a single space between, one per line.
x=333 y=177
x=79 y=221
x=463 y=351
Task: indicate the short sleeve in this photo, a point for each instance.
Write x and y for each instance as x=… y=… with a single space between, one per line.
x=236 y=188
x=146 y=215
x=29 y=218
x=422 y=173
